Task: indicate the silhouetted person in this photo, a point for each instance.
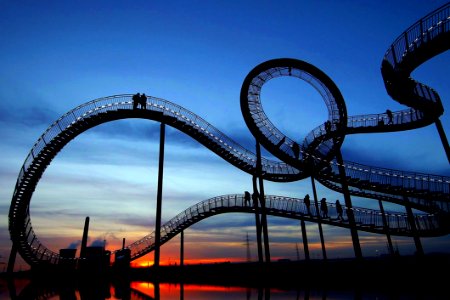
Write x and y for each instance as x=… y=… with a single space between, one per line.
x=255 y=197
x=136 y=99
x=143 y=101
x=247 y=198
x=307 y=202
x=296 y=150
x=390 y=116
x=324 y=207
x=280 y=143
x=339 y=210
x=328 y=126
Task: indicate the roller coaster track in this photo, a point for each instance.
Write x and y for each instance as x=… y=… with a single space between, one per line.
x=315 y=156
x=366 y=219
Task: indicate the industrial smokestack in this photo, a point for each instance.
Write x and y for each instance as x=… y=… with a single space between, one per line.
x=85 y=237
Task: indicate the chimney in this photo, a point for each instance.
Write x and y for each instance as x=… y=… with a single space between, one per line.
x=85 y=237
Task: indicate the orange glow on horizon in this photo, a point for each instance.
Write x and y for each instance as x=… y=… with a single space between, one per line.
x=142 y=263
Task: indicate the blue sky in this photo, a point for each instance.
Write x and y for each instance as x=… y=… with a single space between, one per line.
x=55 y=55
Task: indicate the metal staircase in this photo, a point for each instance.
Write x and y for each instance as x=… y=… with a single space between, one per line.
x=429 y=193
x=367 y=219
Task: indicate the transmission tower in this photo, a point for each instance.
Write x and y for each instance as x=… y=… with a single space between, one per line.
x=247 y=243
x=298 y=252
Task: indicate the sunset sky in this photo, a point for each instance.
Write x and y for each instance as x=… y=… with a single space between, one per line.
x=56 y=55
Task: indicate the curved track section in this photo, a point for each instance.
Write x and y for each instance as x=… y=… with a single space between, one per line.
x=429 y=193
x=366 y=219
x=103 y=110
x=319 y=144
x=423 y=40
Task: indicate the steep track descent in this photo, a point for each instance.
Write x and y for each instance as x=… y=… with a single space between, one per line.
x=315 y=156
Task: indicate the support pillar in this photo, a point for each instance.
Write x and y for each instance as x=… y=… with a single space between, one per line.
x=443 y=138
x=159 y=196
x=386 y=228
x=348 y=204
x=257 y=220
x=182 y=248
x=319 y=218
x=12 y=259
x=412 y=223
x=157 y=290
x=181 y=291
x=262 y=200
x=305 y=239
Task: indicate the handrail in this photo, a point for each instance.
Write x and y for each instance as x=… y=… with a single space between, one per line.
x=95 y=106
x=83 y=112
x=367 y=219
x=168 y=108
x=421 y=188
x=424 y=30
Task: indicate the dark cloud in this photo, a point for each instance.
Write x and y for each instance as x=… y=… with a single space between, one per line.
x=4 y=233
x=133 y=221
x=23 y=110
x=240 y=220
x=4 y=207
x=355 y=154
x=129 y=129
x=39 y=208
x=228 y=221
x=147 y=130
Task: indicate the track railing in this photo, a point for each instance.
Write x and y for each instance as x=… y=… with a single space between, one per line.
x=420 y=188
x=82 y=114
x=431 y=27
x=367 y=219
x=423 y=31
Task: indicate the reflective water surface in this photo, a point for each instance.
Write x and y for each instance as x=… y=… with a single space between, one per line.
x=137 y=290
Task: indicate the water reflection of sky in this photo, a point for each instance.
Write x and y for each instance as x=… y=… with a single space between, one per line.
x=199 y=292
x=140 y=290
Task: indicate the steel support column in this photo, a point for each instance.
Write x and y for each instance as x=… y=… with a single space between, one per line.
x=262 y=200
x=319 y=223
x=386 y=228
x=12 y=259
x=305 y=239
x=181 y=291
x=443 y=138
x=255 y=198
x=157 y=290
x=182 y=248
x=159 y=195
x=348 y=204
x=412 y=223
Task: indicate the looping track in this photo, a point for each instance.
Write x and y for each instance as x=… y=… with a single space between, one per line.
x=428 y=193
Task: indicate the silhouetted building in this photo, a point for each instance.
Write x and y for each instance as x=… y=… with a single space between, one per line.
x=122 y=259
x=67 y=253
x=67 y=261
x=96 y=260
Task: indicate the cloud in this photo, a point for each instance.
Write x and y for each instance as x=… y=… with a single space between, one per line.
x=26 y=110
x=133 y=221
x=74 y=245
x=98 y=243
x=396 y=149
